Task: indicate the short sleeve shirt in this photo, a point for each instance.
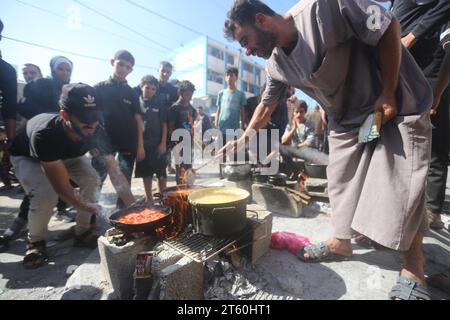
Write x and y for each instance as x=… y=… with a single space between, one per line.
x=230 y=103
x=154 y=115
x=303 y=134
x=335 y=61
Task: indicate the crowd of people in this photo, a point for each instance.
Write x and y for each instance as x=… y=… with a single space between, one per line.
x=62 y=140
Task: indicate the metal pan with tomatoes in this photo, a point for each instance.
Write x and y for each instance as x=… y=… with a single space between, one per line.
x=142 y=218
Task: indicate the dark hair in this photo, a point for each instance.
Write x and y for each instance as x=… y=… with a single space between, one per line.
x=243 y=13
x=124 y=55
x=186 y=85
x=165 y=64
x=149 y=80
x=301 y=105
x=1 y=26
x=33 y=65
x=232 y=70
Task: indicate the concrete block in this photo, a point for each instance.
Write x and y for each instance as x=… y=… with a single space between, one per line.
x=277 y=200
x=261 y=225
x=317 y=187
x=182 y=281
x=118 y=263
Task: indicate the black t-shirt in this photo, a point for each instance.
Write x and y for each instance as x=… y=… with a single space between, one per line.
x=427 y=21
x=8 y=90
x=182 y=117
x=40 y=96
x=120 y=105
x=154 y=115
x=279 y=118
x=45 y=139
x=168 y=94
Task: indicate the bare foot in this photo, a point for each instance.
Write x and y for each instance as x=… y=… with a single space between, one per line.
x=410 y=275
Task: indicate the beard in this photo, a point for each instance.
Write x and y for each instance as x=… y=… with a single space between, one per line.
x=266 y=43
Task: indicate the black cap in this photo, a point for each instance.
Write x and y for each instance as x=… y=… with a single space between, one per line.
x=80 y=100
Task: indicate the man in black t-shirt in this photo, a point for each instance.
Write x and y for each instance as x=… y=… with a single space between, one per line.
x=426 y=33
x=122 y=117
x=50 y=153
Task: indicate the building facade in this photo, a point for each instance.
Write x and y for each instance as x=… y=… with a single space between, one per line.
x=204 y=62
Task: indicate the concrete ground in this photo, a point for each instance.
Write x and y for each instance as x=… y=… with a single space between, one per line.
x=75 y=274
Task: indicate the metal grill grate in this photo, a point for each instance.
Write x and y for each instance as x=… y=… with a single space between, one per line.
x=199 y=247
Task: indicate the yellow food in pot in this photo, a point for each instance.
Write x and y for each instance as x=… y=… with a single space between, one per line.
x=218 y=198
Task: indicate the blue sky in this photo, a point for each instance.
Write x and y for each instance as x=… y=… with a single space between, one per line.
x=68 y=25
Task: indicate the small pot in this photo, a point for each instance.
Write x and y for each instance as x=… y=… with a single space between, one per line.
x=318 y=171
x=236 y=171
x=260 y=178
x=224 y=216
x=279 y=180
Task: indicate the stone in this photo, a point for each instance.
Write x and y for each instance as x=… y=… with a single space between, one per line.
x=118 y=263
x=182 y=281
x=277 y=200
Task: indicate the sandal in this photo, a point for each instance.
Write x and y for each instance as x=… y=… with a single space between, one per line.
x=87 y=239
x=319 y=253
x=440 y=281
x=409 y=289
x=36 y=255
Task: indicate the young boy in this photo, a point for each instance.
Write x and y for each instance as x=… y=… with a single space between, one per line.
x=182 y=116
x=122 y=118
x=230 y=107
x=154 y=115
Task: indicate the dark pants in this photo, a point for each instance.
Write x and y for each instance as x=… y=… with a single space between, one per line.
x=437 y=175
x=308 y=154
x=126 y=165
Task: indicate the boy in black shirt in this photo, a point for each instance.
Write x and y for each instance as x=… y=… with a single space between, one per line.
x=122 y=118
x=182 y=116
x=155 y=137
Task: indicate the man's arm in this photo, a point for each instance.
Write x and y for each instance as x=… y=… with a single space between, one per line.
x=59 y=178
x=389 y=53
x=163 y=145
x=216 y=120
x=287 y=137
x=443 y=80
x=118 y=180
x=140 y=154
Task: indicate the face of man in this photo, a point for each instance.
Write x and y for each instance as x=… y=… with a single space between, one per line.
x=164 y=74
x=200 y=111
x=255 y=41
x=87 y=130
x=63 y=72
x=299 y=115
x=148 y=91
x=121 y=69
x=30 y=73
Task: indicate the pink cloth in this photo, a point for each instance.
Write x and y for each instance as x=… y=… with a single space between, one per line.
x=289 y=240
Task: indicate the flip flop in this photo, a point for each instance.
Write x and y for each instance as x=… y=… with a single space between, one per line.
x=409 y=289
x=319 y=253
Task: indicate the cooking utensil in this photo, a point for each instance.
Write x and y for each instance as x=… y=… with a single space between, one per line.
x=316 y=170
x=219 y=212
x=191 y=174
x=236 y=171
x=148 y=227
x=279 y=180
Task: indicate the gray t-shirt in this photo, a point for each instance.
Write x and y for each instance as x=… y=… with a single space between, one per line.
x=335 y=61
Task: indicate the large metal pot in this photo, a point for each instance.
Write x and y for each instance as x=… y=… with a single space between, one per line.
x=219 y=212
x=316 y=170
x=236 y=171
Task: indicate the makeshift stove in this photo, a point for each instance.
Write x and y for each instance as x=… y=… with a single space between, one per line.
x=178 y=264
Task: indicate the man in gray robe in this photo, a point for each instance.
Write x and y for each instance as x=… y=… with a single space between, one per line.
x=347 y=55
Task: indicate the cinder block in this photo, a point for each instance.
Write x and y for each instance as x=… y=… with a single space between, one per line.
x=182 y=281
x=118 y=263
x=261 y=225
x=277 y=200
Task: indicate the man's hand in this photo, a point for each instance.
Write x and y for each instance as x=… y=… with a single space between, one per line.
x=409 y=40
x=140 y=154
x=434 y=107
x=93 y=208
x=387 y=105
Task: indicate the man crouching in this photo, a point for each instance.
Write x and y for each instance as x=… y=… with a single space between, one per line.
x=50 y=153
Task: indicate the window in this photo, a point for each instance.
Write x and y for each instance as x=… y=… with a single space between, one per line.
x=244 y=86
x=215 y=77
x=251 y=88
x=248 y=67
x=215 y=52
x=230 y=59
